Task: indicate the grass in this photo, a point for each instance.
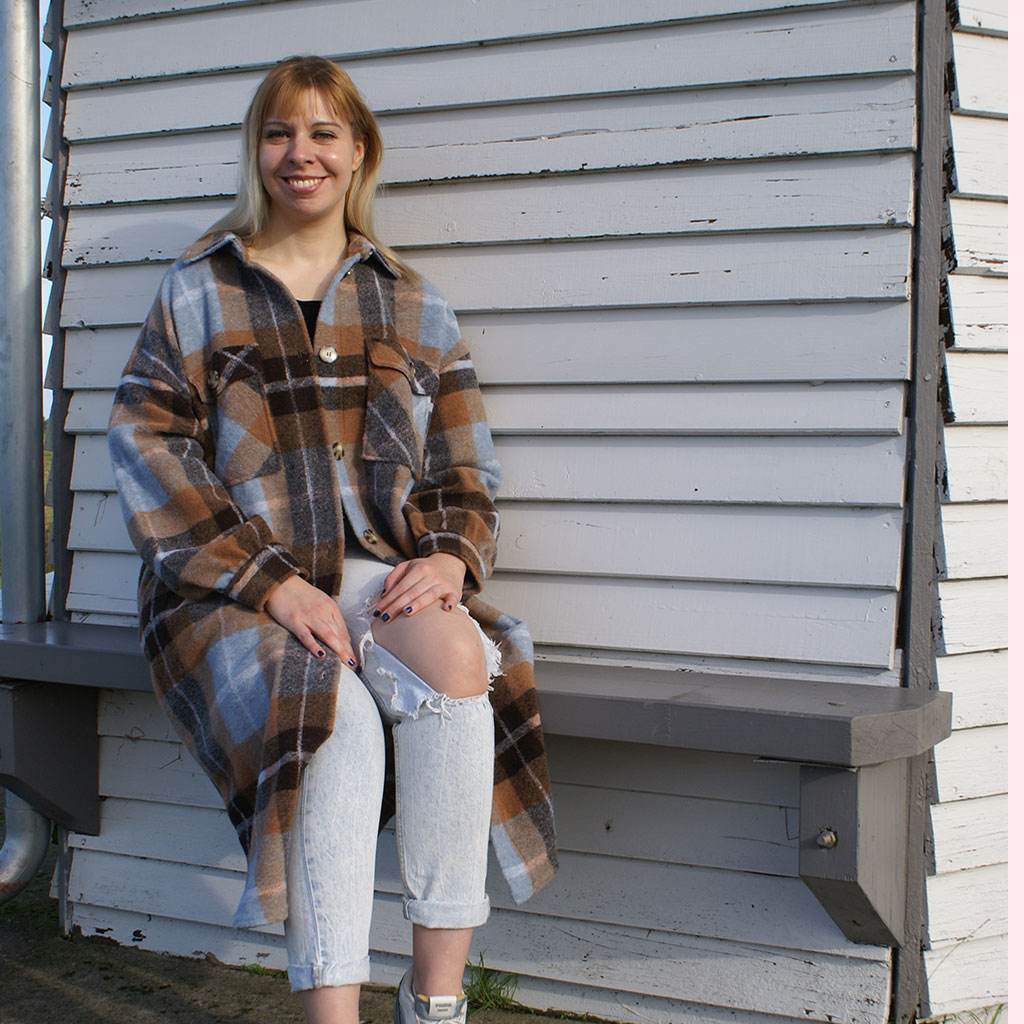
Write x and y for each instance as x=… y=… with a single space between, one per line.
x=491 y=990
x=984 y=1015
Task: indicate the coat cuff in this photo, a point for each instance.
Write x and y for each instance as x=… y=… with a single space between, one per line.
x=456 y=544
x=266 y=569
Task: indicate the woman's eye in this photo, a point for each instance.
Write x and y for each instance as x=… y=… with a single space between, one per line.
x=324 y=136
x=274 y=133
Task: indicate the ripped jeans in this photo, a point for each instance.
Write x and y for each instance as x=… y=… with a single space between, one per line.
x=444 y=772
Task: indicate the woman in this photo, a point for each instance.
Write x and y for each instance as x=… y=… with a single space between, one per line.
x=306 y=471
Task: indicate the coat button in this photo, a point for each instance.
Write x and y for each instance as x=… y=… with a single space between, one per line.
x=328 y=353
x=369 y=536
x=338 y=449
x=213 y=378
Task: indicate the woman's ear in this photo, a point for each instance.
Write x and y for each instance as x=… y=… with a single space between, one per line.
x=359 y=154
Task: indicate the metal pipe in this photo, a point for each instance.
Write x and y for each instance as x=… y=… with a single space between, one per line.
x=21 y=360
x=22 y=582
x=25 y=844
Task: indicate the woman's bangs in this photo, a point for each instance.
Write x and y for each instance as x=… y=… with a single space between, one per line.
x=289 y=101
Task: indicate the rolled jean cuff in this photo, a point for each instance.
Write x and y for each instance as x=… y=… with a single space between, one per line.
x=431 y=914
x=306 y=976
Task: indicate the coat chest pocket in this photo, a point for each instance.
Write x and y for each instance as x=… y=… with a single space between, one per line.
x=400 y=392
x=245 y=445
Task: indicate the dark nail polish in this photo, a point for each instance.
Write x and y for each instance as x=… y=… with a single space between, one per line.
x=376 y=614
x=385 y=617
x=408 y=611
x=351 y=662
x=320 y=654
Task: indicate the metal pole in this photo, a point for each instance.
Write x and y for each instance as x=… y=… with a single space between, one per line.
x=21 y=370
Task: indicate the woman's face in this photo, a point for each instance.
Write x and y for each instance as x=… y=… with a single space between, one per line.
x=307 y=158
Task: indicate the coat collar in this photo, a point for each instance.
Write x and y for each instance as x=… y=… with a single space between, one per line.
x=359 y=248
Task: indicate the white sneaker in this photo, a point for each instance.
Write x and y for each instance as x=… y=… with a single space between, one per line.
x=416 y=1009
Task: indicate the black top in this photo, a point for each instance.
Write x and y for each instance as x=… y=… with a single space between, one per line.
x=310 y=311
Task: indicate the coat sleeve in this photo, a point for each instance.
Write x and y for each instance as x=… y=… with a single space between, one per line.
x=180 y=515
x=451 y=507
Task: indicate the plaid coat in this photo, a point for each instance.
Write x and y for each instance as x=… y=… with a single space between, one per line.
x=237 y=447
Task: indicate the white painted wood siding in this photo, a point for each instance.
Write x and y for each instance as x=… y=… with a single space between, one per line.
x=967 y=963
x=679 y=247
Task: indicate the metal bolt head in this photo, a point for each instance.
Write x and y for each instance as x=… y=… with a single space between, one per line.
x=827 y=839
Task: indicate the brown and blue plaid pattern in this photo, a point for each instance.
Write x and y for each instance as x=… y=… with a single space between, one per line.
x=239 y=450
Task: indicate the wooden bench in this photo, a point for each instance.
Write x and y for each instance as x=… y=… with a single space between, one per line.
x=853 y=743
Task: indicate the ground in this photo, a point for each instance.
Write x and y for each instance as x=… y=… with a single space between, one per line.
x=48 y=979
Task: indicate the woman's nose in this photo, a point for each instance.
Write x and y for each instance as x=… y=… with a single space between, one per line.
x=300 y=150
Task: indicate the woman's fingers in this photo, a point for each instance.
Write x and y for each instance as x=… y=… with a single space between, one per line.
x=415 y=584
x=312 y=617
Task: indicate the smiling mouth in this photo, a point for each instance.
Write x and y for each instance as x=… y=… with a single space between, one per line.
x=303 y=184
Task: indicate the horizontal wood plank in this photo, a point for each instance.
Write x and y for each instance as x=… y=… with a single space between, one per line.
x=240 y=947
x=979 y=309
x=93 y=12
x=778 y=342
x=982 y=66
x=976 y=463
x=963 y=976
x=984 y=15
x=978 y=683
x=978 y=386
x=208 y=896
x=855 y=547
x=980 y=232
x=753 y=621
x=974 y=615
x=980 y=149
x=667 y=410
x=765 y=266
x=716 y=470
x=864 y=192
x=133 y=715
x=970 y=833
x=968 y=904
x=975 y=537
x=848 y=40
x=788 y=623
x=972 y=763
x=190 y=159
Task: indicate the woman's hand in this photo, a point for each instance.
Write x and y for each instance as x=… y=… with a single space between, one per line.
x=312 y=616
x=413 y=585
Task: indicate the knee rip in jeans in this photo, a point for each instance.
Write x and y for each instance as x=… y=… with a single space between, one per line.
x=401 y=692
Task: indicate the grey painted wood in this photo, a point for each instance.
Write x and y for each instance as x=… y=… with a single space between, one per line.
x=207 y=896
x=791 y=45
x=86 y=12
x=987 y=16
x=765 y=266
x=856 y=547
x=777 y=342
x=756 y=621
x=790 y=470
x=866 y=191
x=648 y=410
x=188 y=159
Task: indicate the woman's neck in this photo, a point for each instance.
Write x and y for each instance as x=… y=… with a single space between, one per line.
x=304 y=258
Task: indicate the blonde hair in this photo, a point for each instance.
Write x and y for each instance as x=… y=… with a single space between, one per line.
x=282 y=91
